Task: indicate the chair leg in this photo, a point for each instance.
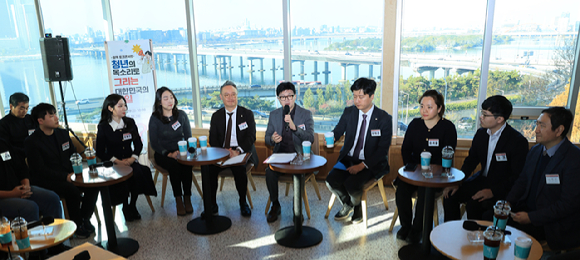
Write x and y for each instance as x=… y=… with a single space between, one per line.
x=163 y=188
x=395 y=216
x=462 y=210
x=97 y=216
x=251 y=179
x=306 y=205
x=330 y=204
x=315 y=184
x=114 y=209
x=383 y=194
x=435 y=215
x=287 y=188
x=64 y=208
x=150 y=203
x=155 y=177
x=197 y=185
x=222 y=183
x=267 y=206
x=363 y=204
x=249 y=197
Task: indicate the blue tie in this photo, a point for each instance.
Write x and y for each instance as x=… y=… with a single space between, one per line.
x=361 y=138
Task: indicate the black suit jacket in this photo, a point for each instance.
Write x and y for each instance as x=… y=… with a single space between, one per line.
x=110 y=143
x=557 y=205
x=10 y=174
x=501 y=174
x=376 y=148
x=217 y=129
x=47 y=161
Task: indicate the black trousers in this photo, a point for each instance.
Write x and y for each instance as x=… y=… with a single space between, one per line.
x=80 y=202
x=348 y=187
x=240 y=178
x=475 y=209
x=179 y=175
x=403 y=198
x=272 y=178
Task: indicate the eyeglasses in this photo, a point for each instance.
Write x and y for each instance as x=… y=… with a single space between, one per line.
x=286 y=97
x=484 y=115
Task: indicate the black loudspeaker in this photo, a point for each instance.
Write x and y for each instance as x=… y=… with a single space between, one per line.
x=56 y=59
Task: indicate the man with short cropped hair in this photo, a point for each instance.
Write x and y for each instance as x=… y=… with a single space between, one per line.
x=545 y=199
x=368 y=131
x=49 y=150
x=500 y=150
x=286 y=132
x=17 y=125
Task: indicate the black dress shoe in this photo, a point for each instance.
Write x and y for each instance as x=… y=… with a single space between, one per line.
x=214 y=211
x=357 y=216
x=128 y=213
x=245 y=209
x=88 y=226
x=414 y=236
x=275 y=211
x=136 y=214
x=403 y=233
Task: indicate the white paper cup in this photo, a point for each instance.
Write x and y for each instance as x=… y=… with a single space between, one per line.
x=182 y=148
x=306 y=145
x=425 y=160
x=203 y=142
x=329 y=137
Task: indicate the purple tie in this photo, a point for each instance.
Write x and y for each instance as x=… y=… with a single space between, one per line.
x=361 y=138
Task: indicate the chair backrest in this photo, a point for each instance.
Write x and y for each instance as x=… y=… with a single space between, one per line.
x=315 y=145
x=254 y=158
x=150 y=151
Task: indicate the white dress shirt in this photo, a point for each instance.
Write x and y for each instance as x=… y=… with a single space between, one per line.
x=234 y=138
x=493 y=138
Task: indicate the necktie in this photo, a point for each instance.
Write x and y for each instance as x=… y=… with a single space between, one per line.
x=361 y=138
x=229 y=131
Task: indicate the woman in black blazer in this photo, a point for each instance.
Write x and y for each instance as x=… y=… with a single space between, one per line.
x=429 y=133
x=116 y=133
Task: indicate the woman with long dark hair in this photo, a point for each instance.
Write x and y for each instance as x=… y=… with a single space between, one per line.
x=167 y=126
x=431 y=132
x=116 y=134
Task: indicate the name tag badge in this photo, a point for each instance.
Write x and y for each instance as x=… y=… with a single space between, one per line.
x=501 y=157
x=6 y=156
x=302 y=126
x=176 y=125
x=65 y=146
x=433 y=142
x=552 y=178
x=376 y=132
x=30 y=131
x=127 y=136
x=243 y=126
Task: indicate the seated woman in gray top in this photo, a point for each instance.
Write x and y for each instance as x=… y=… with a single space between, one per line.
x=167 y=126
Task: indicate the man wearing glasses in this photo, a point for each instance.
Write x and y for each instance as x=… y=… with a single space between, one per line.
x=501 y=152
x=232 y=127
x=288 y=127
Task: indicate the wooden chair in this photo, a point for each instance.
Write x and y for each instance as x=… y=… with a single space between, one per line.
x=165 y=173
x=369 y=185
x=288 y=179
x=227 y=173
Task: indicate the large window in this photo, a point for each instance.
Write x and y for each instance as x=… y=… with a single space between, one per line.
x=20 y=61
x=84 y=95
x=441 y=49
x=331 y=47
x=241 y=42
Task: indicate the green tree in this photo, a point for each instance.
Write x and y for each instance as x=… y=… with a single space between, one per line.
x=320 y=94
x=328 y=92
x=338 y=94
x=309 y=101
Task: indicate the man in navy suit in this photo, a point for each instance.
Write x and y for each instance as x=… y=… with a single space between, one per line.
x=501 y=152
x=365 y=150
x=232 y=127
x=545 y=198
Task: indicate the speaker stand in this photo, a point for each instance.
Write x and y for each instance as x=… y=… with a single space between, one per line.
x=64 y=115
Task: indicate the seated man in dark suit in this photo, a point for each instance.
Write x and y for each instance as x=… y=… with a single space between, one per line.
x=545 y=198
x=49 y=150
x=232 y=127
x=286 y=132
x=365 y=150
x=501 y=152
x=17 y=125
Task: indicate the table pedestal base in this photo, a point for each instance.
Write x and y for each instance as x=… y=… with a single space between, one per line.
x=125 y=246
x=415 y=252
x=217 y=224
x=288 y=237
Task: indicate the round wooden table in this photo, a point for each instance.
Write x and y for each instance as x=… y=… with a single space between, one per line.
x=208 y=224
x=422 y=250
x=450 y=239
x=108 y=176
x=63 y=229
x=299 y=236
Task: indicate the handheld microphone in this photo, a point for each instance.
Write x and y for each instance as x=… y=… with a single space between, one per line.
x=287 y=112
x=47 y=220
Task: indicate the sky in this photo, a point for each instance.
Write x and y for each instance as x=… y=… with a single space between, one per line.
x=223 y=14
